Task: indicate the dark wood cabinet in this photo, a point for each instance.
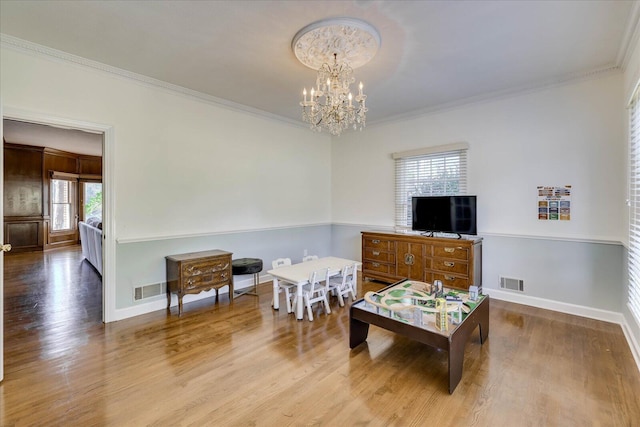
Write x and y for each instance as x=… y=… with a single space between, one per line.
x=390 y=257
x=194 y=272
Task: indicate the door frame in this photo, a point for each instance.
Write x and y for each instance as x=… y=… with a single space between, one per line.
x=108 y=219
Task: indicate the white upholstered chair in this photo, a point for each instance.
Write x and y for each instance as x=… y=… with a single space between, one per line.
x=288 y=288
x=316 y=291
x=309 y=258
x=345 y=283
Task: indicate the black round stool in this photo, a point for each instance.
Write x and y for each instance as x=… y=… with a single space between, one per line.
x=242 y=266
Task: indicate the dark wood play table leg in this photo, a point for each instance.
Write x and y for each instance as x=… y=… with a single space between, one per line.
x=457 y=342
x=358 y=332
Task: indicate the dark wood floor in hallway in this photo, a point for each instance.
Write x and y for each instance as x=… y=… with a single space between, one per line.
x=244 y=364
x=52 y=303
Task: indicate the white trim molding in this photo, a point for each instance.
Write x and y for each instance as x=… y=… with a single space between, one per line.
x=634 y=346
x=595 y=240
x=108 y=174
x=573 y=309
x=153 y=238
x=562 y=307
x=160 y=302
x=605 y=71
x=58 y=55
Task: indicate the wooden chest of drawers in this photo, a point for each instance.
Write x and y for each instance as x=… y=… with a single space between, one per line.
x=390 y=257
x=194 y=272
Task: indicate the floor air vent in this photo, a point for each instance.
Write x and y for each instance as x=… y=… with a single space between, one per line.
x=512 y=284
x=147 y=291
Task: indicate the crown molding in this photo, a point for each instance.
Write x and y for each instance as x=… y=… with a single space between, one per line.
x=630 y=38
x=632 y=33
x=64 y=57
x=539 y=86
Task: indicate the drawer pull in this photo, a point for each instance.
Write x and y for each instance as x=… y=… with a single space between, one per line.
x=449 y=263
x=449 y=277
x=375 y=264
x=376 y=241
x=450 y=250
x=376 y=253
x=223 y=275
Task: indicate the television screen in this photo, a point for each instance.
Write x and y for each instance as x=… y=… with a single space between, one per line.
x=444 y=214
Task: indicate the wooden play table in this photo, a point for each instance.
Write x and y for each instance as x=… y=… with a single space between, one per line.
x=405 y=308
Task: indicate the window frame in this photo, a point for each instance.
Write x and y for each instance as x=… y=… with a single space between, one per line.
x=440 y=159
x=81 y=196
x=70 y=203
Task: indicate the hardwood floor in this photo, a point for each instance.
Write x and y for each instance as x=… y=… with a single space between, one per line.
x=247 y=365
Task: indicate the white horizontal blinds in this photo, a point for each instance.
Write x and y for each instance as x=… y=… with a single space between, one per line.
x=430 y=174
x=634 y=210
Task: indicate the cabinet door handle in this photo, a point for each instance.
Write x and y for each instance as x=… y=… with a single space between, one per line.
x=449 y=277
x=408 y=259
x=376 y=241
x=376 y=253
x=449 y=263
x=450 y=250
x=375 y=264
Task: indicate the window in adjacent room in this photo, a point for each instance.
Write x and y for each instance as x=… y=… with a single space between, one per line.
x=91 y=199
x=634 y=207
x=433 y=171
x=62 y=211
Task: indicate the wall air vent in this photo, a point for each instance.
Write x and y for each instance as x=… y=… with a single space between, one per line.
x=512 y=284
x=148 y=291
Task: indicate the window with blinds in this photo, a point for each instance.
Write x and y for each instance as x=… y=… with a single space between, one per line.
x=434 y=171
x=634 y=207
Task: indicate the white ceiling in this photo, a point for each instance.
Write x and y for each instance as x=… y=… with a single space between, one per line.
x=70 y=140
x=434 y=54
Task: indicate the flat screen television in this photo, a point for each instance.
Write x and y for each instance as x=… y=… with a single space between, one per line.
x=444 y=214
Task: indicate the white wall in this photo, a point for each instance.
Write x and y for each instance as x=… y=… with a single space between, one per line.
x=569 y=134
x=565 y=135
x=183 y=166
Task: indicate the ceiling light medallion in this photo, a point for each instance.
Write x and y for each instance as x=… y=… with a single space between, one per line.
x=334 y=47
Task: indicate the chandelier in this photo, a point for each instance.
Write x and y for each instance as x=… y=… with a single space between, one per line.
x=334 y=47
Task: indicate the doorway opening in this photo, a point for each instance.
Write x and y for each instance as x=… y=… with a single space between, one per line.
x=53 y=183
x=87 y=178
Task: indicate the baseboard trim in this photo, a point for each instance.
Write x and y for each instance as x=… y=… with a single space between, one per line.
x=160 y=302
x=573 y=309
x=562 y=307
x=634 y=346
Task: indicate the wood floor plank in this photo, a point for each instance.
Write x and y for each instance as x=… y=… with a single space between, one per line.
x=244 y=364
